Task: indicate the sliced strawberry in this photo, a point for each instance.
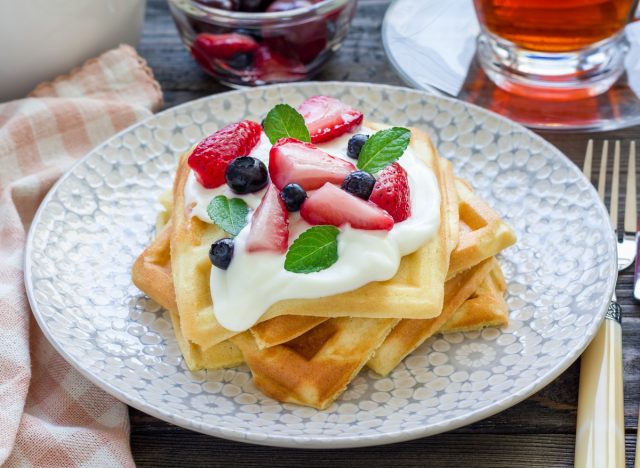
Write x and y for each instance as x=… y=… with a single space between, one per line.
x=209 y=160
x=271 y=66
x=291 y=160
x=331 y=205
x=269 y=224
x=222 y=46
x=328 y=118
x=391 y=192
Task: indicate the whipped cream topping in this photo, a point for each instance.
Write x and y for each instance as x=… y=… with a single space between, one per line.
x=255 y=281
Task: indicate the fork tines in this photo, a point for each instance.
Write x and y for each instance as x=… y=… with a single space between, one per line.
x=629 y=199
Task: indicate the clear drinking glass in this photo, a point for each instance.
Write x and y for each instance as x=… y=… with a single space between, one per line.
x=553 y=49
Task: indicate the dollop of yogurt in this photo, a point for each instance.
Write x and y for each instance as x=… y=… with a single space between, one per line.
x=255 y=281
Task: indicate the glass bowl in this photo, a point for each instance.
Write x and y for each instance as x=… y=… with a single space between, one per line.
x=250 y=49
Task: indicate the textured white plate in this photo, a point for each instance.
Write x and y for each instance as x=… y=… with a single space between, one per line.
x=100 y=215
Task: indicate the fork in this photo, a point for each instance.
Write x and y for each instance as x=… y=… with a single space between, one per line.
x=600 y=425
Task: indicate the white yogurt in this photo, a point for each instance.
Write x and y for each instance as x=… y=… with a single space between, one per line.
x=255 y=281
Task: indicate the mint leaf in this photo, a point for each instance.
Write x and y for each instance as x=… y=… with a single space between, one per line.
x=316 y=249
x=229 y=214
x=383 y=148
x=283 y=121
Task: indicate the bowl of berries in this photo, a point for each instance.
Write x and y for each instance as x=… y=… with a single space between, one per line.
x=257 y=42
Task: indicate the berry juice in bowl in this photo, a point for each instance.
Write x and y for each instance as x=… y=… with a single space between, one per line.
x=257 y=42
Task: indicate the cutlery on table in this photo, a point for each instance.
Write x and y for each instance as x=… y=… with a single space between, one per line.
x=600 y=425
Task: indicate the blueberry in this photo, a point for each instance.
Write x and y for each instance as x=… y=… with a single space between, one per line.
x=359 y=183
x=241 y=61
x=246 y=175
x=356 y=142
x=293 y=196
x=221 y=253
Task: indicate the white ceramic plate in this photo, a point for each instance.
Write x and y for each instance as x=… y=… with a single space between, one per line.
x=100 y=215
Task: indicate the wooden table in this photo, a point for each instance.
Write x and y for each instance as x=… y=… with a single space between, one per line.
x=537 y=432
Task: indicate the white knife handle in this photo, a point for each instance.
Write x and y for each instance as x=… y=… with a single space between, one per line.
x=600 y=426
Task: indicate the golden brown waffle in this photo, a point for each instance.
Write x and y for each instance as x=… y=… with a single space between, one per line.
x=285 y=328
x=315 y=368
x=485 y=308
x=416 y=291
x=483 y=233
x=312 y=377
x=151 y=272
x=409 y=334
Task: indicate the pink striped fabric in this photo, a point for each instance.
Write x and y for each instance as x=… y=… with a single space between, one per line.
x=49 y=414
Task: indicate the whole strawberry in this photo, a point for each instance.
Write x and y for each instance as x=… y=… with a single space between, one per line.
x=209 y=160
x=391 y=192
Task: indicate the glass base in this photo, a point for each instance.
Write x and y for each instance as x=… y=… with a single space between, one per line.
x=552 y=76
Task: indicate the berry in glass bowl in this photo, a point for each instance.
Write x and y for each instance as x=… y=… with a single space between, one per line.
x=257 y=42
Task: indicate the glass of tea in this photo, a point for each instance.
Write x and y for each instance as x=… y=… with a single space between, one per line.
x=553 y=49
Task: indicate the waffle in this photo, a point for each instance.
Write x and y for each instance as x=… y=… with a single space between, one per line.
x=315 y=368
x=483 y=233
x=485 y=308
x=318 y=376
x=151 y=273
x=285 y=328
x=409 y=334
x=416 y=291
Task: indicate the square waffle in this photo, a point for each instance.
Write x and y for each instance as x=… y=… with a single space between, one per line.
x=482 y=234
x=416 y=291
x=485 y=308
x=315 y=368
x=409 y=334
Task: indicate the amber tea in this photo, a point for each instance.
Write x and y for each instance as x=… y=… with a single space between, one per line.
x=554 y=25
x=554 y=48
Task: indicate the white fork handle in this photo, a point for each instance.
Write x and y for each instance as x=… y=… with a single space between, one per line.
x=600 y=426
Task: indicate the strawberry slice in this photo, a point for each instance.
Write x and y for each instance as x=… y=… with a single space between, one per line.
x=269 y=224
x=331 y=205
x=328 y=118
x=391 y=192
x=222 y=46
x=271 y=66
x=209 y=160
x=291 y=160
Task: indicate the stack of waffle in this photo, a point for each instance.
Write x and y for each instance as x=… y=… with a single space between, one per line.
x=306 y=351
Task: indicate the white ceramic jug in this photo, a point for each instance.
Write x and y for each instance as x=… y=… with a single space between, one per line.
x=40 y=39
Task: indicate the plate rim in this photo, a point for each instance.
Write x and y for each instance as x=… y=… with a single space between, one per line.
x=318 y=442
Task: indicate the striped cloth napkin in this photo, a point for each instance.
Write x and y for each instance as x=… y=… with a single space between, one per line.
x=49 y=414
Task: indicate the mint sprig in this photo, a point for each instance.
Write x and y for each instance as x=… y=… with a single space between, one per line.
x=314 y=250
x=283 y=121
x=383 y=148
x=228 y=214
